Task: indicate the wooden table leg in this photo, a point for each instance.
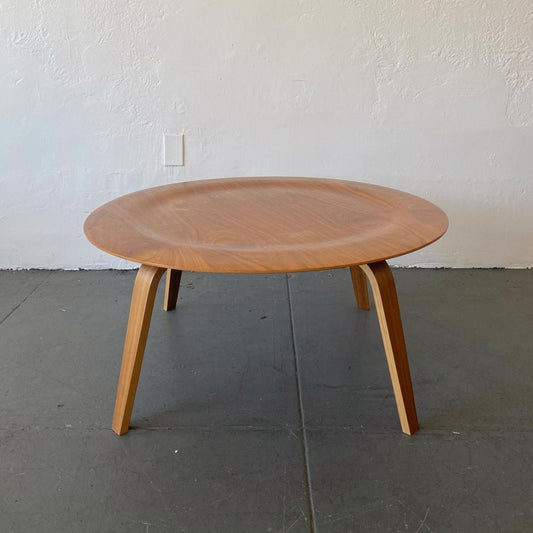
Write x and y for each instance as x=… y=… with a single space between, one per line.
x=360 y=287
x=142 y=304
x=384 y=290
x=172 y=287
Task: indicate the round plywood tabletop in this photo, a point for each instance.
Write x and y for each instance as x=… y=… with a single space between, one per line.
x=264 y=225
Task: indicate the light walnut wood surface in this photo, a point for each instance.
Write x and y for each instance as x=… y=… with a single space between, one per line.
x=172 y=287
x=390 y=322
x=360 y=287
x=264 y=225
x=141 y=307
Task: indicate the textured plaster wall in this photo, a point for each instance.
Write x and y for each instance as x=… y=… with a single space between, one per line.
x=433 y=97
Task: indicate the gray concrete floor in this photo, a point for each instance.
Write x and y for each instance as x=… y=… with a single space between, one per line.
x=218 y=443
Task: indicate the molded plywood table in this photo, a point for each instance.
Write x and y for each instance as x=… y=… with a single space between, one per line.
x=265 y=225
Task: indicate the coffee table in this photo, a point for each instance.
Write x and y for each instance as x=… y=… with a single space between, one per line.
x=265 y=225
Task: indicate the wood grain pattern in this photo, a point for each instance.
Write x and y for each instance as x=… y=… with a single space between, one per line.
x=390 y=322
x=172 y=287
x=264 y=225
x=142 y=304
x=360 y=287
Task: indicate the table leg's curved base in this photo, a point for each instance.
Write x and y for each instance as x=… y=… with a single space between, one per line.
x=142 y=304
x=360 y=287
x=384 y=290
x=172 y=287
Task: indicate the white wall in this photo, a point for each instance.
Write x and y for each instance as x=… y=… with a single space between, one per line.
x=432 y=97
